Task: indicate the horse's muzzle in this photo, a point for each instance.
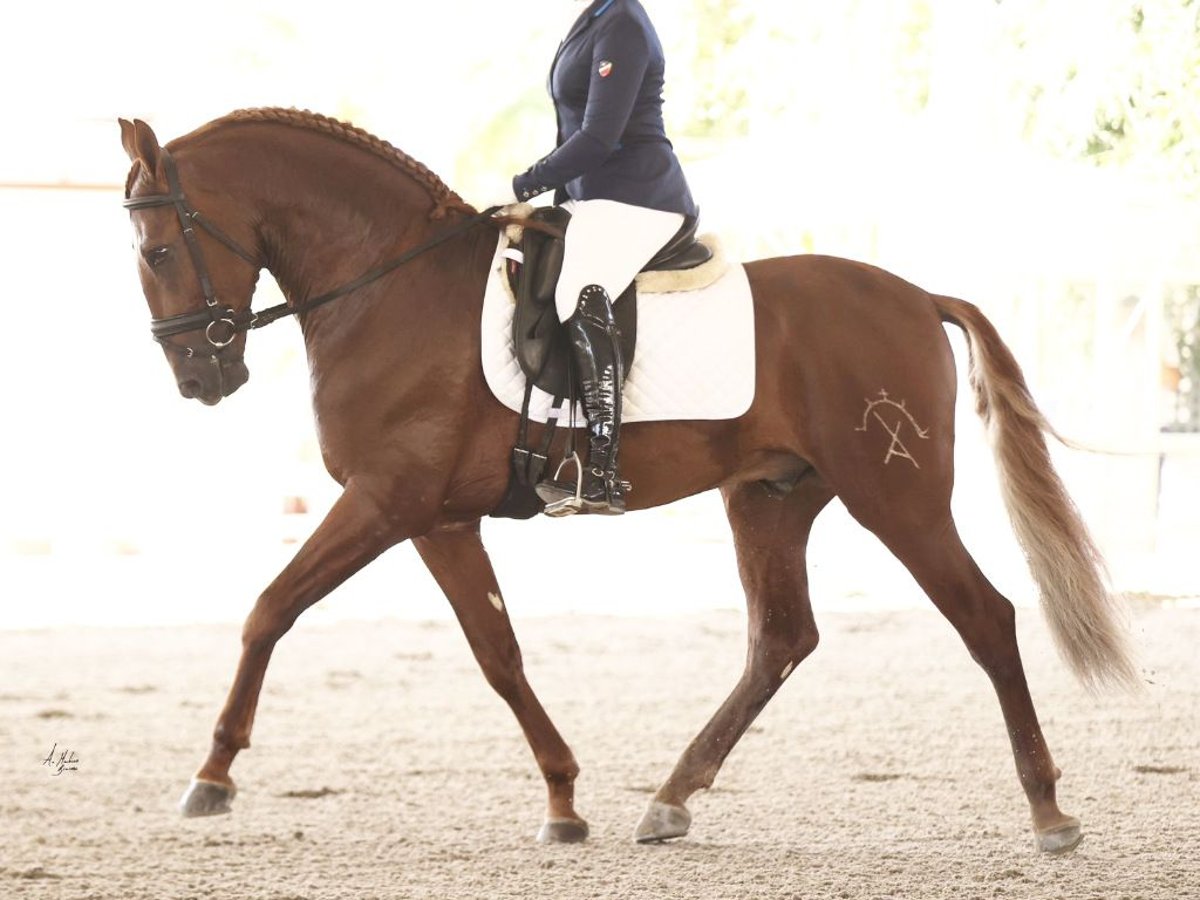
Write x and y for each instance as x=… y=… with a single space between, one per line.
x=212 y=381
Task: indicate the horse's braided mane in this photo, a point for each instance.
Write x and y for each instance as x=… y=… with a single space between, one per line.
x=443 y=197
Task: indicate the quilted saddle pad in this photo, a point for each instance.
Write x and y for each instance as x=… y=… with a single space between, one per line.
x=694 y=358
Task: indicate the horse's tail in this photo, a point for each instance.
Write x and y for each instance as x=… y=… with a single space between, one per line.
x=1066 y=564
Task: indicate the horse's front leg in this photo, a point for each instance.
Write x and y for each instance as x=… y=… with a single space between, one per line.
x=457 y=559
x=355 y=531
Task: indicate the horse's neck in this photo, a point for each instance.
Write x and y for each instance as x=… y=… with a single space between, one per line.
x=324 y=229
x=328 y=215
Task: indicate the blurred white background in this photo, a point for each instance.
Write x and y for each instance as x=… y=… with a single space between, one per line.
x=1036 y=158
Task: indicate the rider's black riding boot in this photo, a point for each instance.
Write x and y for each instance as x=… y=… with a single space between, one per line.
x=592 y=331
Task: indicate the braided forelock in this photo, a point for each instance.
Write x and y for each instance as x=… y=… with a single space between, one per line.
x=443 y=197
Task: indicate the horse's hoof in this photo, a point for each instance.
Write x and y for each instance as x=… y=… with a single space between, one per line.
x=1061 y=838
x=662 y=822
x=206 y=798
x=562 y=831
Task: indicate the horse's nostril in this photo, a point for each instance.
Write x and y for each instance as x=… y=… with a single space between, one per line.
x=189 y=388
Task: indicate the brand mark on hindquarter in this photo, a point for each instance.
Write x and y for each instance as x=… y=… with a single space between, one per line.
x=893 y=417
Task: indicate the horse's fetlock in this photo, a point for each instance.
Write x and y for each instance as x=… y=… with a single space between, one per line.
x=228 y=741
x=706 y=777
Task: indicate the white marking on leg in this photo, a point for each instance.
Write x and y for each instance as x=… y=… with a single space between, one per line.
x=787 y=670
x=496 y=601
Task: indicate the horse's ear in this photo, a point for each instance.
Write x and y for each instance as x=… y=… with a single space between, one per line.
x=140 y=143
x=127 y=138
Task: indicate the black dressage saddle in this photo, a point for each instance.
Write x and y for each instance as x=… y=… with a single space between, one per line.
x=539 y=338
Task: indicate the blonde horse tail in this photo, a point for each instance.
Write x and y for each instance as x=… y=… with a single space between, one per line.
x=1084 y=617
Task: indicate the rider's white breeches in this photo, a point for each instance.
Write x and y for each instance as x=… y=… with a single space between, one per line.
x=607 y=244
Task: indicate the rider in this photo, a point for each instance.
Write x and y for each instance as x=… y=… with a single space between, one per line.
x=618 y=175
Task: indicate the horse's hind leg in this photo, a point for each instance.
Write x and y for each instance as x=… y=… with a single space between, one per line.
x=986 y=622
x=458 y=561
x=770 y=534
x=908 y=508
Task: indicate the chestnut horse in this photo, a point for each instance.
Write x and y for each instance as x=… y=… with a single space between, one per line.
x=854 y=398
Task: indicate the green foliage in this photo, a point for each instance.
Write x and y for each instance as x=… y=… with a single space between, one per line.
x=1114 y=82
x=720 y=69
x=518 y=135
x=1183 y=319
x=1137 y=76
x=739 y=65
x=913 y=56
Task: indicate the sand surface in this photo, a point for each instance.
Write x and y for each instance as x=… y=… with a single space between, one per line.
x=383 y=766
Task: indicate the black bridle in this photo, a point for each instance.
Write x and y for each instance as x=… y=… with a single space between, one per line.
x=222 y=324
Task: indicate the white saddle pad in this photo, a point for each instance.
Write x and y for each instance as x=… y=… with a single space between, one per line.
x=694 y=356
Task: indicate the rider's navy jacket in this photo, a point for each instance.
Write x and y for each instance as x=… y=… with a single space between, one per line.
x=607 y=82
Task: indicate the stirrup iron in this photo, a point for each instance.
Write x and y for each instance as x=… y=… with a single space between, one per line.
x=560 y=502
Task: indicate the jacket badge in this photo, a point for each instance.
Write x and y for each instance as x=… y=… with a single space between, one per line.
x=605 y=68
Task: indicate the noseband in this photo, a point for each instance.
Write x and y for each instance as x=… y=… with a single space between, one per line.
x=222 y=324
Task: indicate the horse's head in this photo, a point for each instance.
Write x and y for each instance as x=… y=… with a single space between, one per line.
x=197 y=276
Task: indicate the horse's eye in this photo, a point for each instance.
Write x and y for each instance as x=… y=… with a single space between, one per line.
x=156 y=256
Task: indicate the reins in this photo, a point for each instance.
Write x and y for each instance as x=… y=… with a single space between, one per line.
x=274 y=313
